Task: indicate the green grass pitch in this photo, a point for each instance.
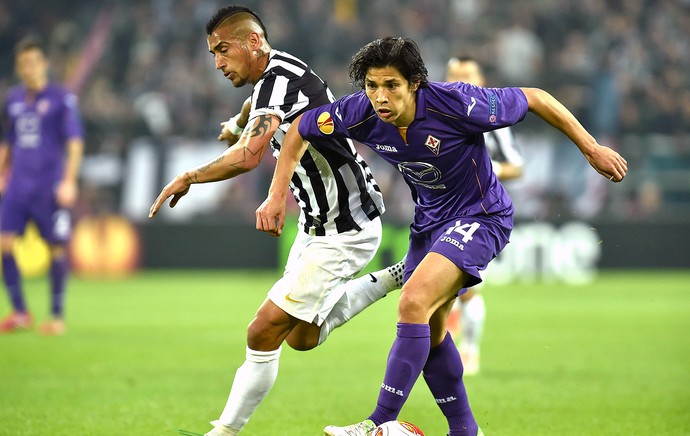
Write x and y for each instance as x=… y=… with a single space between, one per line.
x=157 y=352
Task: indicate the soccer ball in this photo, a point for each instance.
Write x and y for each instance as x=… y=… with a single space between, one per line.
x=397 y=428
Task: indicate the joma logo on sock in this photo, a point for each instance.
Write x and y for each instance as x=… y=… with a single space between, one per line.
x=392 y=390
x=445 y=400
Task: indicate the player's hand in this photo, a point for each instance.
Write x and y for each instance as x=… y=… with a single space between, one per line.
x=607 y=162
x=66 y=193
x=226 y=135
x=176 y=189
x=270 y=216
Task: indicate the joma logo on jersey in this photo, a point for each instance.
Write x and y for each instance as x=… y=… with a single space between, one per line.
x=434 y=144
x=388 y=148
x=445 y=400
x=392 y=390
x=453 y=241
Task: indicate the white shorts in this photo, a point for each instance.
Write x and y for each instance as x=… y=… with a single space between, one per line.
x=318 y=265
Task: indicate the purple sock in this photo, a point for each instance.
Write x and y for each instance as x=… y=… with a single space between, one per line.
x=405 y=362
x=58 y=277
x=10 y=275
x=443 y=375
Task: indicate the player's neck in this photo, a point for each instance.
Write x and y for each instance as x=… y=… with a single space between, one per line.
x=36 y=86
x=262 y=58
x=33 y=89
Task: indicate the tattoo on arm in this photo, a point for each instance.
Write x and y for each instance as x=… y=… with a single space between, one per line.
x=206 y=167
x=261 y=128
x=263 y=123
x=191 y=178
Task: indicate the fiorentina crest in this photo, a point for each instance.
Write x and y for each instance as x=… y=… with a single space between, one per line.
x=434 y=144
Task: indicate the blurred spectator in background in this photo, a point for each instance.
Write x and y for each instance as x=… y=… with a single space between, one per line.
x=466 y=319
x=39 y=164
x=621 y=67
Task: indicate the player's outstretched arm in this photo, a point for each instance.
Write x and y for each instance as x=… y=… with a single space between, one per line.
x=240 y=158
x=270 y=216
x=604 y=160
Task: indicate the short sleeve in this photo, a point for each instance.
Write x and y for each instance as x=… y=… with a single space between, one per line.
x=486 y=109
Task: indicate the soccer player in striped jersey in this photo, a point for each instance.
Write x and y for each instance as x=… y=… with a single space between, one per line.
x=466 y=318
x=39 y=165
x=340 y=204
x=432 y=132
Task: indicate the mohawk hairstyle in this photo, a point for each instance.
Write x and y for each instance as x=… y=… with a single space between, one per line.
x=229 y=11
x=401 y=53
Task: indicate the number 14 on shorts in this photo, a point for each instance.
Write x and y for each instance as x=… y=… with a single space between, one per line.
x=466 y=230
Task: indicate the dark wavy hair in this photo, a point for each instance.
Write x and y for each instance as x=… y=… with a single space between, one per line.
x=400 y=53
x=229 y=11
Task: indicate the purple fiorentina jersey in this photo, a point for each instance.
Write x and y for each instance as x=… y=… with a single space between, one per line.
x=37 y=132
x=444 y=161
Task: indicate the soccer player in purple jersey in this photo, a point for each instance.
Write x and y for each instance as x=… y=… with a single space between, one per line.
x=433 y=134
x=39 y=165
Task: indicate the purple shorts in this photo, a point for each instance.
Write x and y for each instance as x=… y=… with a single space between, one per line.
x=470 y=242
x=54 y=223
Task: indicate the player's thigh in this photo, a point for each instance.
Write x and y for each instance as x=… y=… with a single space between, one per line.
x=468 y=294
x=472 y=242
x=318 y=266
x=433 y=283
x=14 y=216
x=54 y=223
x=269 y=328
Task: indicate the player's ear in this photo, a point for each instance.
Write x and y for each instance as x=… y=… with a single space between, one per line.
x=254 y=40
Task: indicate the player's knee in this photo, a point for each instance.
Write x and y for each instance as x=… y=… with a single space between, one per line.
x=304 y=337
x=267 y=333
x=412 y=308
x=302 y=343
x=6 y=244
x=258 y=334
x=58 y=251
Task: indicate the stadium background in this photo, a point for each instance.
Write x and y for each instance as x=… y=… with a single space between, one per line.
x=152 y=103
x=150 y=352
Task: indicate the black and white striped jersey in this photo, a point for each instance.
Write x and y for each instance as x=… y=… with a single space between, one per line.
x=332 y=184
x=503 y=147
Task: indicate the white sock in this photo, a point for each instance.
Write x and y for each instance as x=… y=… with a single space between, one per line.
x=252 y=382
x=360 y=293
x=473 y=316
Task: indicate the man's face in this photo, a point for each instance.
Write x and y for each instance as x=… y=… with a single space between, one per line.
x=391 y=95
x=32 y=68
x=233 y=58
x=467 y=71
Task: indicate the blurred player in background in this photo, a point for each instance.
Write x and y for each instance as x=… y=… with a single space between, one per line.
x=340 y=202
x=433 y=134
x=466 y=318
x=39 y=166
